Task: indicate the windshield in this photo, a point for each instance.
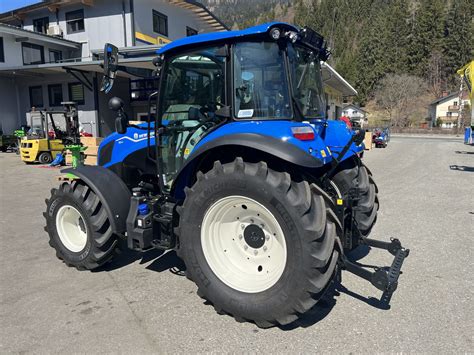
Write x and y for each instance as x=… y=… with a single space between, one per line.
x=306 y=81
x=261 y=85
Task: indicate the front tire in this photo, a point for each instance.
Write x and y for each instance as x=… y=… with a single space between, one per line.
x=354 y=174
x=234 y=220
x=78 y=227
x=45 y=158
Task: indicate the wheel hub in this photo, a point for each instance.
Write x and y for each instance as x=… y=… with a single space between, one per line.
x=71 y=228
x=254 y=236
x=243 y=244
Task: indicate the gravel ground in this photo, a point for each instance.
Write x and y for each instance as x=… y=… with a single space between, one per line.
x=139 y=304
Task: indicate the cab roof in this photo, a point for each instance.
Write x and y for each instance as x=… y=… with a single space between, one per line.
x=218 y=36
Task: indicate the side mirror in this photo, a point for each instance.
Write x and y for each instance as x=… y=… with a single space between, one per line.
x=110 y=67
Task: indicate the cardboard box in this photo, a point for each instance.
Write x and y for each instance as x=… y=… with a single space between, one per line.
x=92 y=150
x=368 y=140
x=91 y=141
x=90 y=160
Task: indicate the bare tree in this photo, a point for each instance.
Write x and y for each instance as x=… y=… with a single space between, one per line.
x=397 y=95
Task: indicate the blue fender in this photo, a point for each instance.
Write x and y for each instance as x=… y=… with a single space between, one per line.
x=336 y=135
x=280 y=130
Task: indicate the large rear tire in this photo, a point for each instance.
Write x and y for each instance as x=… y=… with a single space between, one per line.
x=78 y=227
x=353 y=173
x=259 y=246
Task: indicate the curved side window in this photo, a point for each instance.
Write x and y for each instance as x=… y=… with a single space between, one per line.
x=260 y=81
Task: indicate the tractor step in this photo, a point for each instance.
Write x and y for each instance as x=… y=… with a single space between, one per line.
x=383 y=278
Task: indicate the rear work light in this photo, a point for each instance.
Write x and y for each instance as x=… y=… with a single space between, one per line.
x=303 y=133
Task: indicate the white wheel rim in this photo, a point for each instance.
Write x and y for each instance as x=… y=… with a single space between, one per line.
x=72 y=228
x=225 y=238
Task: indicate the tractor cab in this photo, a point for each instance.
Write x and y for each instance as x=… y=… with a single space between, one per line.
x=272 y=75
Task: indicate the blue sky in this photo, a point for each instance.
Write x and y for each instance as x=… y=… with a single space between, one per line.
x=8 y=5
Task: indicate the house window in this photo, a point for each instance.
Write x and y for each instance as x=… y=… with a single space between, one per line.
x=36 y=96
x=55 y=93
x=455 y=103
x=32 y=53
x=191 y=31
x=160 y=23
x=55 y=56
x=449 y=114
x=140 y=89
x=2 y=52
x=76 y=93
x=75 y=21
x=41 y=25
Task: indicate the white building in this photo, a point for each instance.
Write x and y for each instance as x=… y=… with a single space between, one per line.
x=49 y=53
x=356 y=114
x=444 y=112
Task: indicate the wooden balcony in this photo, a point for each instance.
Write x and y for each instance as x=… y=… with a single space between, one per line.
x=453 y=108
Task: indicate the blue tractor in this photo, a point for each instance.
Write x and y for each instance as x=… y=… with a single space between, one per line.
x=239 y=171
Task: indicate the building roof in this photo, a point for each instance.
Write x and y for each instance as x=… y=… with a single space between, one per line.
x=354 y=106
x=444 y=98
x=202 y=12
x=217 y=36
x=20 y=32
x=195 y=7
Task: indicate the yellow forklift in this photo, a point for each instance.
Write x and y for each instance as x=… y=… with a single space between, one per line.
x=46 y=137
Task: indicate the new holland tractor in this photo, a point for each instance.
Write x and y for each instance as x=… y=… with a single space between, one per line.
x=239 y=172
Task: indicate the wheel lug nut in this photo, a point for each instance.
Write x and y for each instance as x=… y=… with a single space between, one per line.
x=251 y=221
x=264 y=248
x=240 y=236
x=267 y=237
x=262 y=226
x=242 y=226
x=246 y=247
x=255 y=252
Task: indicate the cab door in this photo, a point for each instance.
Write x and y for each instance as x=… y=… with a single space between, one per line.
x=193 y=89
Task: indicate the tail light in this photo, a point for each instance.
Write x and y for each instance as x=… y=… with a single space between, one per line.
x=305 y=133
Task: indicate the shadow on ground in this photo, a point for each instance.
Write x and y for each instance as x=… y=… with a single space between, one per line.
x=160 y=261
x=463 y=152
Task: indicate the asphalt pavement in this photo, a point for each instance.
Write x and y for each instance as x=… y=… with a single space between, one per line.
x=143 y=304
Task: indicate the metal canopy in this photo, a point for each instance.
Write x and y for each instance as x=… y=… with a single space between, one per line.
x=93 y=66
x=333 y=79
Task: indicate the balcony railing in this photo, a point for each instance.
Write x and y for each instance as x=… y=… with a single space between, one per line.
x=453 y=108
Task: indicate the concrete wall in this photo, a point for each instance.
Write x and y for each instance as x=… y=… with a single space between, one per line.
x=178 y=19
x=14 y=56
x=103 y=22
x=334 y=102
x=9 y=116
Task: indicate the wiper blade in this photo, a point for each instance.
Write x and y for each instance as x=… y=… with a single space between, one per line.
x=297 y=106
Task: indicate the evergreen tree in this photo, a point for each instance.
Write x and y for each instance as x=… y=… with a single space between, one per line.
x=427 y=34
x=458 y=42
x=373 y=61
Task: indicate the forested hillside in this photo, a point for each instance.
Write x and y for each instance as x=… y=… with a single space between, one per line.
x=427 y=39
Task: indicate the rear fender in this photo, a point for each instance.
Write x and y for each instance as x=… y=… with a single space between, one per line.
x=280 y=145
x=111 y=190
